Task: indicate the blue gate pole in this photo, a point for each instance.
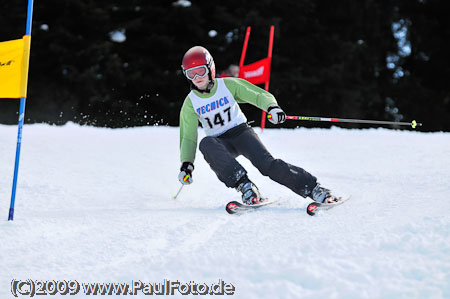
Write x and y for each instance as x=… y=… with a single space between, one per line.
x=16 y=166
x=21 y=120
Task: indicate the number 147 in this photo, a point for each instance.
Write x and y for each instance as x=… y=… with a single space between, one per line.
x=218 y=120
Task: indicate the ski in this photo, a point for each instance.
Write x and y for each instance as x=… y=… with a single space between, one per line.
x=314 y=207
x=235 y=207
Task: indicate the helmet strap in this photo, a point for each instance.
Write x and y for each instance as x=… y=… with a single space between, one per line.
x=211 y=82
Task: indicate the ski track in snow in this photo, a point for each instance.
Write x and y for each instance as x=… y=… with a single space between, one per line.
x=94 y=205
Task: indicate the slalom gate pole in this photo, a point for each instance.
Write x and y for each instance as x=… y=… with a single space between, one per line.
x=266 y=85
x=21 y=109
x=16 y=163
x=244 y=49
x=413 y=124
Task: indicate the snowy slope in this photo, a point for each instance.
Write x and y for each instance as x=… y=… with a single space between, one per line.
x=94 y=205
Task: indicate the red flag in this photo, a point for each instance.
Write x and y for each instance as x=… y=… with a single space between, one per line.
x=257 y=72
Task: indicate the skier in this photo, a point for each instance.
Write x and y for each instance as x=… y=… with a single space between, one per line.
x=214 y=102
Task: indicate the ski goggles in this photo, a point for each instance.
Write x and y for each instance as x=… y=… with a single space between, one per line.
x=198 y=71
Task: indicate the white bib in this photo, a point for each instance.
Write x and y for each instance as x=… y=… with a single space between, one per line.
x=218 y=113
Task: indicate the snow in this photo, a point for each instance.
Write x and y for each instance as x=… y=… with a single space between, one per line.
x=182 y=3
x=212 y=33
x=94 y=205
x=118 y=36
x=44 y=27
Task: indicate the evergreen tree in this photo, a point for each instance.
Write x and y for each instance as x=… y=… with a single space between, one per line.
x=117 y=63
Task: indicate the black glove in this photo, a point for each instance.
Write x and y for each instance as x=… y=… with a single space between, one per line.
x=276 y=115
x=185 y=176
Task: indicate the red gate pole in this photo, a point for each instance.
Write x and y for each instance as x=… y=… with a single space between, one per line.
x=266 y=87
x=244 y=49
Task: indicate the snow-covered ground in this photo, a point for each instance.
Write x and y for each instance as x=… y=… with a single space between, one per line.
x=94 y=205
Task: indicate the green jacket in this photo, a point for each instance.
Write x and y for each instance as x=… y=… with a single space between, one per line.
x=243 y=92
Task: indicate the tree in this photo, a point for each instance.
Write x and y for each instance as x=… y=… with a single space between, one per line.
x=117 y=63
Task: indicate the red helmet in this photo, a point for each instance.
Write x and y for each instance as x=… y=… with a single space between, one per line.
x=195 y=58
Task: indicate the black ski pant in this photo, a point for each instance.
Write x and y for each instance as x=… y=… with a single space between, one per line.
x=221 y=152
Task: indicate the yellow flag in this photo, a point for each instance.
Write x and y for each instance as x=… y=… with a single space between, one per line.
x=14 y=59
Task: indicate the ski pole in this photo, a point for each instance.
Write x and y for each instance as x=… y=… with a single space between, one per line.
x=413 y=124
x=179 y=190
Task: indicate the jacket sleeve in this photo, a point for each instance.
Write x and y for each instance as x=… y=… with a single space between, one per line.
x=188 y=132
x=245 y=92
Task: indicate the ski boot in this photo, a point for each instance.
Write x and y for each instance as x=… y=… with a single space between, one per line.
x=323 y=195
x=250 y=193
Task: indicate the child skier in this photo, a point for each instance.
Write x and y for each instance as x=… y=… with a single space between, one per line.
x=214 y=102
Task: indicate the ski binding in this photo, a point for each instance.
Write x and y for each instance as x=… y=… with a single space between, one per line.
x=235 y=207
x=314 y=207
